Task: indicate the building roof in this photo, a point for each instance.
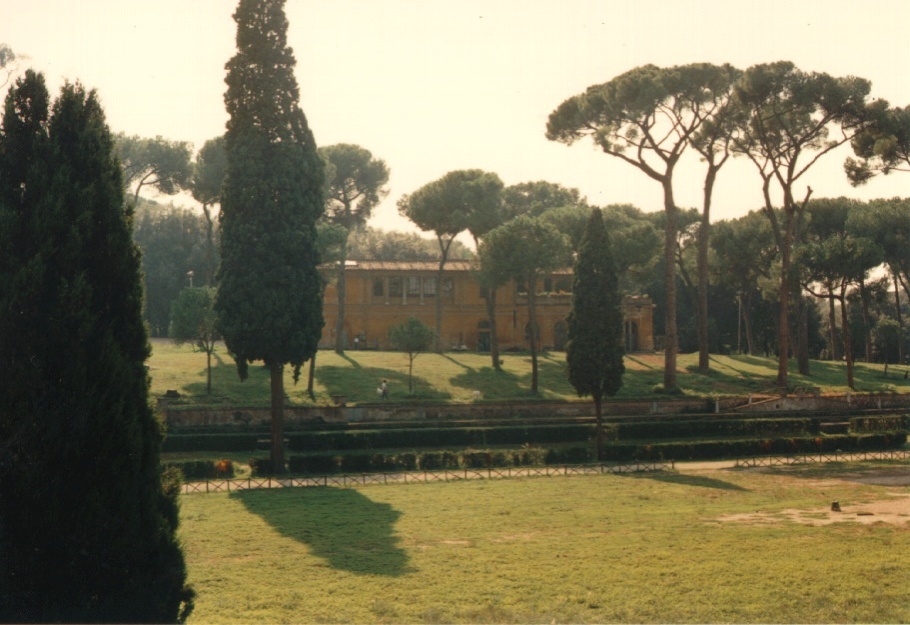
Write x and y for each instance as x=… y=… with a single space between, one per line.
x=407 y=265
x=423 y=265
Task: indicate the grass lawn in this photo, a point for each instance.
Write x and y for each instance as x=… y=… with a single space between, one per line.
x=643 y=548
x=455 y=376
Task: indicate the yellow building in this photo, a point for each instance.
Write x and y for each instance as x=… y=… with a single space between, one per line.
x=381 y=294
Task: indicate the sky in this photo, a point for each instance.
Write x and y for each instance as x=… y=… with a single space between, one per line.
x=432 y=86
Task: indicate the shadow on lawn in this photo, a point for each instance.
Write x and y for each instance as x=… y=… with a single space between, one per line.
x=341 y=525
x=688 y=480
x=338 y=380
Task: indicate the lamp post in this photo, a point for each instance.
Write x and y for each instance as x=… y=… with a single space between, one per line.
x=190 y=276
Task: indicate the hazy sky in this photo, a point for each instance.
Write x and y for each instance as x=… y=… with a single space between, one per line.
x=436 y=85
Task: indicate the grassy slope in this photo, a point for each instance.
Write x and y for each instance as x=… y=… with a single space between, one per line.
x=455 y=376
x=645 y=548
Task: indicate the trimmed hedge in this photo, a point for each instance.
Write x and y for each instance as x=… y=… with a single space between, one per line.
x=210 y=442
x=743 y=448
x=429 y=438
x=879 y=423
x=615 y=452
x=652 y=430
x=438 y=437
x=202 y=469
x=424 y=461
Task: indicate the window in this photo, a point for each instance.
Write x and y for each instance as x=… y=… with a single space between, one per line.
x=378 y=287
x=448 y=287
x=395 y=287
x=413 y=286
x=429 y=287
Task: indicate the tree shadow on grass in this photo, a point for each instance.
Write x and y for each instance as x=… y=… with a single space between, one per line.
x=491 y=383
x=687 y=480
x=361 y=385
x=340 y=525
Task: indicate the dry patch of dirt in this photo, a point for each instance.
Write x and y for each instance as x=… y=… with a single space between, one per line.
x=893 y=511
x=893 y=508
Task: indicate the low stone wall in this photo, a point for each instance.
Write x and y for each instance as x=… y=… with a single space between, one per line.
x=239 y=418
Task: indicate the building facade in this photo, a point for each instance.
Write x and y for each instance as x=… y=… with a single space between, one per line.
x=381 y=294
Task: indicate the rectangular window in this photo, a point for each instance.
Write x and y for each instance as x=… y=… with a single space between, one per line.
x=429 y=287
x=413 y=286
x=448 y=288
x=395 y=286
x=378 y=287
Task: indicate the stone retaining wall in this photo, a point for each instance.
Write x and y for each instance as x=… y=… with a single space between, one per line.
x=233 y=417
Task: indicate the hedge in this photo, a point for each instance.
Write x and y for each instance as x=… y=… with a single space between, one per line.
x=793 y=426
x=367 y=462
x=879 y=423
x=536 y=435
x=202 y=469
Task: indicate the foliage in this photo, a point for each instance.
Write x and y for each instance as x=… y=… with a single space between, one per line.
x=87 y=523
x=193 y=320
x=790 y=118
x=647 y=117
x=535 y=198
x=412 y=337
x=594 y=349
x=467 y=199
x=882 y=147
x=159 y=163
x=369 y=243
x=173 y=243
x=523 y=249
x=355 y=184
x=270 y=295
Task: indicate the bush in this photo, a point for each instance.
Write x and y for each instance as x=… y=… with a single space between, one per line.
x=203 y=469
x=884 y=423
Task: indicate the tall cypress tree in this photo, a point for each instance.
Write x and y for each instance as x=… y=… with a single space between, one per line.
x=594 y=350
x=270 y=297
x=87 y=531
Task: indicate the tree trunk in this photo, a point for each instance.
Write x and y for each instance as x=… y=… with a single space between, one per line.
x=832 y=326
x=599 y=433
x=783 y=321
x=208 y=370
x=209 y=246
x=276 y=372
x=311 y=378
x=900 y=320
x=867 y=333
x=671 y=333
x=532 y=322
x=747 y=321
x=490 y=301
x=702 y=269
x=848 y=348
x=802 y=333
x=342 y=297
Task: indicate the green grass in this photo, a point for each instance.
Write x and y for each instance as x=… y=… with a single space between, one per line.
x=454 y=377
x=642 y=548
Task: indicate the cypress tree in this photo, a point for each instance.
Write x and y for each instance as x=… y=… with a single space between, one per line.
x=594 y=350
x=270 y=294
x=87 y=527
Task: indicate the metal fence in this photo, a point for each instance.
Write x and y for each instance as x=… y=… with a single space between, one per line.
x=837 y=456
x=419 y=477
